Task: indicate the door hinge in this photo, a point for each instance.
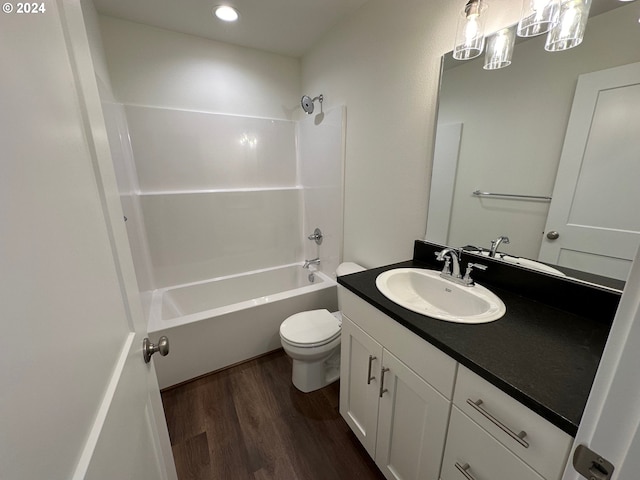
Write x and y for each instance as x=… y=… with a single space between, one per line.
x=591 y=465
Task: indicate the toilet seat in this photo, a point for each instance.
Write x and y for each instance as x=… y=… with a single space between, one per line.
x=309 y=329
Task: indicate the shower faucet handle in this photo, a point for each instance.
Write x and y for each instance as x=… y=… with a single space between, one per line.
x=317 y=236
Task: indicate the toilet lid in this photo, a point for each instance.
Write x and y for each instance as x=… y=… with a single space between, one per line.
x=311 y=327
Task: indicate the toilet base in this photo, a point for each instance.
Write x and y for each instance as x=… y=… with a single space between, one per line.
x=310 y=376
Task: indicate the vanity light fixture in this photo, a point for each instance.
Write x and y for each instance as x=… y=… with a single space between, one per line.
x=499 y=49
x=226 y=13
x=470 y=32
x=568 y=32
x=538 y=17
x=564 y=20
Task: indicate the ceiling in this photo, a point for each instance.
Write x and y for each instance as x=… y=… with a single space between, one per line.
x=287 y=27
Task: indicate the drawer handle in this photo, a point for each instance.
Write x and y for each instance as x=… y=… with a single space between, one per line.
x=382 y=389
x=464 y=470
x=518 y=437
x=369 y=377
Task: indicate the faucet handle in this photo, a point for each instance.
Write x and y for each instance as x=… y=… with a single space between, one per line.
x=479 y=266
x=446 y=270
x=467 y=274
x=447 y=266
x=316 y=236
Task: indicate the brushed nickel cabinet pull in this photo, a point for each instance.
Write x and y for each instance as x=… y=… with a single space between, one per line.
x=518 y=437
x=369 y=377
x=464 y=470
x=382 y=389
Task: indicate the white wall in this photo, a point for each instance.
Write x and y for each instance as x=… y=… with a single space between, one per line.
x=383 y=63
x=514 y=125
x=155 y=67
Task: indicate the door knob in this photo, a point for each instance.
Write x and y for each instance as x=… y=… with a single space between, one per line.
x=553 y=235
x=149 y=348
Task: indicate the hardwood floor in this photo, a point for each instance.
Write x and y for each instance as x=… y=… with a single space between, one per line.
x=249 y=422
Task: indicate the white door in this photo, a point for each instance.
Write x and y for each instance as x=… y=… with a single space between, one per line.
x=596 y=196
x=610 y=425
x=76 y=399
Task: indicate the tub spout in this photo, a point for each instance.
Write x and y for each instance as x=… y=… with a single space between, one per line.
x=315 y=261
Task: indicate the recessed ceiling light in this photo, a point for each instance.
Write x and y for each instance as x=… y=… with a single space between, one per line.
x=226 y=13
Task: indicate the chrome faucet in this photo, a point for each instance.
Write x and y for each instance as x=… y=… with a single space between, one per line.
x=496 y=243
x=314 y=261
x=453 y=259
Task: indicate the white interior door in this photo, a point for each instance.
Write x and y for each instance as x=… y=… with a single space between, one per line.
x=610 y=425
x=596 y=196
x=77 y=401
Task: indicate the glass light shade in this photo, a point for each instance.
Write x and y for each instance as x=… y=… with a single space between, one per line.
x=499 y=49
x=470 y=32
x=569 y=31
x=538 y=17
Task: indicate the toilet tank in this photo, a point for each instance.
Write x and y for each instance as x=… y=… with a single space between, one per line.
x=348 y=267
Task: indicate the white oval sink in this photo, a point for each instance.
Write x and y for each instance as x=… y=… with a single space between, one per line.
x=424 y=291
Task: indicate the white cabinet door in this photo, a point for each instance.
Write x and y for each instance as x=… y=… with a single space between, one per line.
x=77 y=400
x=412 y=424
x=361 y=357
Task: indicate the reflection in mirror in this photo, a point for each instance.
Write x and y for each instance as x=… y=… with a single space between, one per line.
x=503 y=131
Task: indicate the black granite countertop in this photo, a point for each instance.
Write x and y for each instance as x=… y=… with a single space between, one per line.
x=541 y=355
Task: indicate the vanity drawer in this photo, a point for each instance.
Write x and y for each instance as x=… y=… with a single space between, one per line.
x=472 y=454
x=544 y=447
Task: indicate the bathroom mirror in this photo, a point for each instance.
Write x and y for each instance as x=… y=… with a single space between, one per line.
x=503 y=131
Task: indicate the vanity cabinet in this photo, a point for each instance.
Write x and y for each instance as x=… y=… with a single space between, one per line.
x=525 y=442
x=397 y=414
x=397 y=395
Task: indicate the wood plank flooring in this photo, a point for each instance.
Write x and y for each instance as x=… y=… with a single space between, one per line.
x=250 y=423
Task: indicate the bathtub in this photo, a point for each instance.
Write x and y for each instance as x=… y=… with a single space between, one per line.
x=219 y=322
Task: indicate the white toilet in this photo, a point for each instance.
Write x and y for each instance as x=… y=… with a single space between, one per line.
x=312 y=340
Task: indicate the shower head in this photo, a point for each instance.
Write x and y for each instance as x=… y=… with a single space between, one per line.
x=307 y=103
